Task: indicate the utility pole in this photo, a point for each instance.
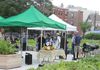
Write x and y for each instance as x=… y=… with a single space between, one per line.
x=94 y=23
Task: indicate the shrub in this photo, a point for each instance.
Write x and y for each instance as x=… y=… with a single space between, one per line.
x=70 y=66
x=88 y=63
x=6 y=48
x=92 y=36
x=69 y=35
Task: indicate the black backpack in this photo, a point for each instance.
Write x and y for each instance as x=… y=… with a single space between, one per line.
x=77 y=39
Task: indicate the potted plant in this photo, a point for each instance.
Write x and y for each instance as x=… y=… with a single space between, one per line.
x=8 y=56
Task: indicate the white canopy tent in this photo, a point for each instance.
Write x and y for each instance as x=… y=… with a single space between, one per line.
x=44 y=28
x=54 y=17
x=68 y=26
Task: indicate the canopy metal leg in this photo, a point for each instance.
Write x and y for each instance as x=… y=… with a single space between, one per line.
x=21 y=42
x=41 y=37
x=65 y=41
x=26 y=39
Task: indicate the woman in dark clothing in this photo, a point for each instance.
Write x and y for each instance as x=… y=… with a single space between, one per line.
x=62 y=42
x=66 y=47
x=39 y=42
x=24 y=43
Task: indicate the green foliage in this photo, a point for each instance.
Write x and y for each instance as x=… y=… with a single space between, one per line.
x=89 y=41
x=92 y=36
x=46 y=7
x=85 y=26
x=88 y=63
x=69 y=35
x=31 y=42
x=6 y=48
x=13 y=7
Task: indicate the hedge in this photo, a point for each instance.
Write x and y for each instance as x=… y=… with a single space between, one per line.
x=92 y=36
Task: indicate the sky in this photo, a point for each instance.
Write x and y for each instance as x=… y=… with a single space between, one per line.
x=89 y=4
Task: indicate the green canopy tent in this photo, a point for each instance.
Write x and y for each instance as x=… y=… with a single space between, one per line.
x=31 y=18
x=1 y=18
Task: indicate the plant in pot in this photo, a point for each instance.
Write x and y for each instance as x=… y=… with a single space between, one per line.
x=8 y=56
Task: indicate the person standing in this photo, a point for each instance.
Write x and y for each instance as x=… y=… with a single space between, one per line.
x=24 y=43
x=66 y=47
x=62 y=42
x=39 y=42
x=48 y=40
x=73 y=46
x=58 y=41
x=77 y=45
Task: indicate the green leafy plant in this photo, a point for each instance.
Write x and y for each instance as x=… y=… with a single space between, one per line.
x=84 y=27
x=6 y=48
x=88 y=63
x=31 y=42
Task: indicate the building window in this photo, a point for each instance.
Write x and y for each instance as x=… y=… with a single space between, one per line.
x=71 y=15
x=60 y=13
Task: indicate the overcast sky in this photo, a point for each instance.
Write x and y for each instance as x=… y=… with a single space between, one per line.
x=89 y=4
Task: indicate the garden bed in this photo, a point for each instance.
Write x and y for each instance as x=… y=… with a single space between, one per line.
x=10 y=61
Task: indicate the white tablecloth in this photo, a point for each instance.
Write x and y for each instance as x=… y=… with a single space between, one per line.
x=50 y=54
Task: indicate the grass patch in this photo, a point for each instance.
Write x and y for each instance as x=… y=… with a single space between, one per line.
x=88 y=63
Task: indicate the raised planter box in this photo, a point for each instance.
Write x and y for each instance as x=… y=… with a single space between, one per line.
x=10 y=61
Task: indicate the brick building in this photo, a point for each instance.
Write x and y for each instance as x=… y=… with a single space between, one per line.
x=61 y=13
x=73 y=17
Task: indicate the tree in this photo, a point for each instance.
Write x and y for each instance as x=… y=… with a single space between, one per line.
x=10 y=8
x=84 y=27
x=13 y=7
x=45 y=7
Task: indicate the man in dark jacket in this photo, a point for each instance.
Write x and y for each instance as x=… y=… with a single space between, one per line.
x=62 y=42
x=24 y=43
x=39 y=42
x=77 y=44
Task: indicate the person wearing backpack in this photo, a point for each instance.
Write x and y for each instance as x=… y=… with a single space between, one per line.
x=77 y=45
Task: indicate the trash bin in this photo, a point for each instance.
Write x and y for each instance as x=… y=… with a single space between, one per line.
x=28 y=58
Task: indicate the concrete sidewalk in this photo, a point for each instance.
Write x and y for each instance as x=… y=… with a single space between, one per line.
x=35 y=62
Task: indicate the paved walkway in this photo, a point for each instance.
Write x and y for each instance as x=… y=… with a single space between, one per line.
x=35 y=62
